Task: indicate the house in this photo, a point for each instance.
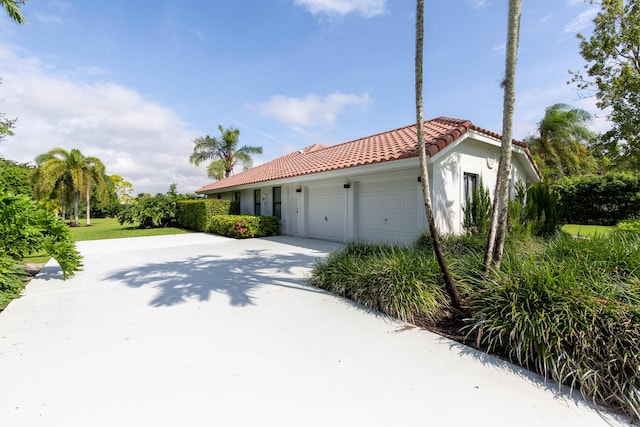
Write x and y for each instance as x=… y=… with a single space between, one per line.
x=369 y=189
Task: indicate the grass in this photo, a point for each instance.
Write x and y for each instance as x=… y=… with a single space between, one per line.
x=587 y=230
x=109 y=228
x=106 y=228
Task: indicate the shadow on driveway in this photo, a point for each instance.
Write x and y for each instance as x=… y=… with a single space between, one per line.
x=198 y=277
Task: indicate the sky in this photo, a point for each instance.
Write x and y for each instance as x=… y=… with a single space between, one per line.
x=135 y=82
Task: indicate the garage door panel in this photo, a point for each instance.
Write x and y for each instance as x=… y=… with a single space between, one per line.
x=388 y=210
x=326 y=213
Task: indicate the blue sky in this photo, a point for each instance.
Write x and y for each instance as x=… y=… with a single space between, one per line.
x=134 y=82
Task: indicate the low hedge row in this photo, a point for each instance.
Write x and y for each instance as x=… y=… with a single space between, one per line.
x=243 y=226
x=599 y=199
x=197 y=214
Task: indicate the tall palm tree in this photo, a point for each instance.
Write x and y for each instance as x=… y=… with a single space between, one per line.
x=98 y=180
x=224 y=152
x=498 y=228
x=561 y=141
x=67 y=172
x=13 y=9
x=450 y=285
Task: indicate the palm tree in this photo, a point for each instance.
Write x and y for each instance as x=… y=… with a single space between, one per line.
x=13 y=9
x=224 y=152
x=561 y=143
x=498 y=228
x=452 y=290
x=70 y=172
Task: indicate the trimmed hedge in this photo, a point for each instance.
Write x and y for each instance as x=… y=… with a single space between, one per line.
x=243 y=226
x=197 y=214
x=599 y=199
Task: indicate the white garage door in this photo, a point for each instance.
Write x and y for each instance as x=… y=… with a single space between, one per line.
x=325 y=213
x=388 y=210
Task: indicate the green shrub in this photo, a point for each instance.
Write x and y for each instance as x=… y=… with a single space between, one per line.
x=541 y=210
x=26 y=228
x=156 y=211
x=599 y=199
x=243 y=226
x=477 y=213
x=629 y=225
x=12 y=274
x=402 y=282
x=570 y=311
x=196 y=214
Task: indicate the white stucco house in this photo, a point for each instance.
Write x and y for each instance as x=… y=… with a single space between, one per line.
x=369 y=189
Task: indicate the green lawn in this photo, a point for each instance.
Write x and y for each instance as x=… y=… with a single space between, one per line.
x=109 y=228
x=106 y=228
x=587 y=230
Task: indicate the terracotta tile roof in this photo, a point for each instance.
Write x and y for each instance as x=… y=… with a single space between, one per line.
x=395 y=144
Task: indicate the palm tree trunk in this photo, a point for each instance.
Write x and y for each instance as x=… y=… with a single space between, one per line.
x=498 y=229
x=450 y=285
x=63 y=202
x=88 y=207
x=76 y=196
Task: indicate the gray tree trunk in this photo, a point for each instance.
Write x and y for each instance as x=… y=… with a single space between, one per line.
x=450 y=285
x=88 y=207
x=76 y=196
x=498 y=229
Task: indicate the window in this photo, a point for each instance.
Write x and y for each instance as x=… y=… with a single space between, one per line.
x=277 y=202
x=256 y=200
x=470 y=185
x=236 y=196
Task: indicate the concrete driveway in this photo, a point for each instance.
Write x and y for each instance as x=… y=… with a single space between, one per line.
x=200 y=330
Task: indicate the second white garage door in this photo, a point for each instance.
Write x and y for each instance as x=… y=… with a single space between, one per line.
x=388 y=209
x=326 y=212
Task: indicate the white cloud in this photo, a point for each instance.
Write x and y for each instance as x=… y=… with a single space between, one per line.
x=480 y=4
x=143 y=141
x=311 y=110
x=581 y=21
x=367 y=8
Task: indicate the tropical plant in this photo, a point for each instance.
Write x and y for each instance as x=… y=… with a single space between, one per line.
x=223 y=152
x=26 y=228
x=13 y=9
x=613 y=73
x=477 y=212
x=401 y=282
x=156 y=211
x=450 y=285
x=500 y=213
x=69 y=172
x=561 y=144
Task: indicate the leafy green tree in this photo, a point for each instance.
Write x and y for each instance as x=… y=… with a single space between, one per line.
x=26 y=228
x=223 y=152
x=123 y=189
x=561 y=144
x=13 y=9
x=613 y=73
x=15 y=177
x=70 y=172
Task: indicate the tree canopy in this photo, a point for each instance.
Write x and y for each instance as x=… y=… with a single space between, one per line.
x=12 y=7
x=612 y=53
x=560 y=145
x=69 y=172
x=224 y=152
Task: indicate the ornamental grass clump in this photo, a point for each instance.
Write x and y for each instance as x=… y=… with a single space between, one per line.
x=570 y=313
x=398 y=281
